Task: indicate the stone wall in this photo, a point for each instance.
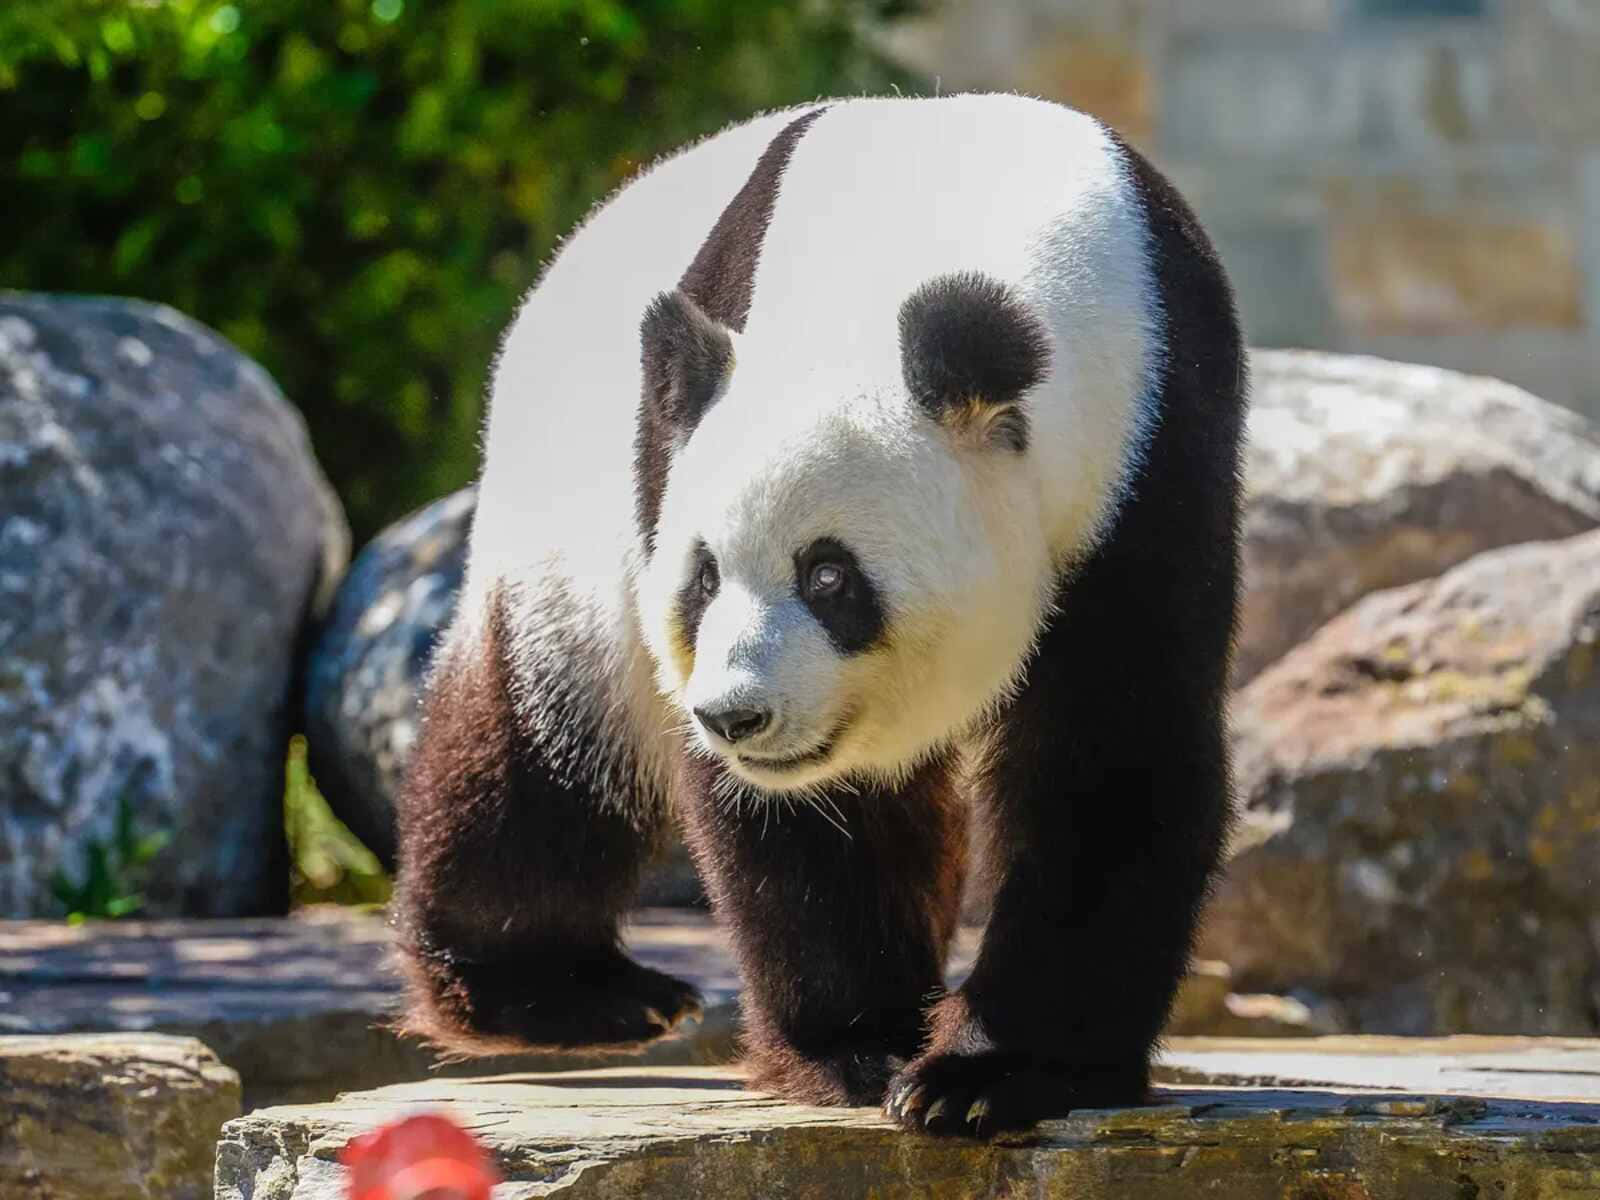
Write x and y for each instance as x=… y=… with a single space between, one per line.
x=1418 y=179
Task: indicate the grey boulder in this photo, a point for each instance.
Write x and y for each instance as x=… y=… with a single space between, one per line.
x=165 y=537
x=1420 y=835
x=1365 y=474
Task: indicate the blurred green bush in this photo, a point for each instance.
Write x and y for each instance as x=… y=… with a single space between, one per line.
x=357 y=191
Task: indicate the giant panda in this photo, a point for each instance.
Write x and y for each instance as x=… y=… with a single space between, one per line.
x=864 y=464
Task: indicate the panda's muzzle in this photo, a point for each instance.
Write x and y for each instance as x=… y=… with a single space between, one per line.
x=807 y=758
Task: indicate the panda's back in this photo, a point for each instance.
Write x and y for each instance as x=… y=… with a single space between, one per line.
x=882 y=195
x=877 y=196
x=556 y=492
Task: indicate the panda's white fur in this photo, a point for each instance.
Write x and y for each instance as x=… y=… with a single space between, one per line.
x=816 y=435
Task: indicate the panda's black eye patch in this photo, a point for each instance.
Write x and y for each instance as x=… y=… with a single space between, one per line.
x=698 y=590
x=840 y=595
x=709 y=578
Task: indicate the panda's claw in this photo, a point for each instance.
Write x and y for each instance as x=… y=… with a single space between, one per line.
x=935 y=1111
x=978 y=1113
x=904 y=1101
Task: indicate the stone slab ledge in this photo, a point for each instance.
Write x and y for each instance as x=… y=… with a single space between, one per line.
x=696 y=1131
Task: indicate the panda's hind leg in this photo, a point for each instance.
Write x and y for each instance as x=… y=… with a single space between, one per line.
x=515 y=868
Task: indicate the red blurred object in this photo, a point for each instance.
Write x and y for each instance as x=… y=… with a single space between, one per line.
x=425 y=1157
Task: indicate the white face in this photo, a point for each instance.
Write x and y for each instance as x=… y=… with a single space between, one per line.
x=844 y=597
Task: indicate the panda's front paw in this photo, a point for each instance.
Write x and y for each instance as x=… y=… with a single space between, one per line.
x=982 y=1093
x=976 y=1095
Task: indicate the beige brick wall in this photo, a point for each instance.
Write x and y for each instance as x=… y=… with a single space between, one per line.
x=1415 y=178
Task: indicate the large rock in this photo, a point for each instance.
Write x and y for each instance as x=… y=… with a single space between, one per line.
x=625 y=1133
x=1421 y=827
x=164 y=534
x=1364 y=474
x=365 y=675
x=111 y=1117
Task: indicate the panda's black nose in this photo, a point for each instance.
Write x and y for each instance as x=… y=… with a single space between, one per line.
x=734 y=724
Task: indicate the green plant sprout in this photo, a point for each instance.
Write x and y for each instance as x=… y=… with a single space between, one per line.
x=113 y=872
x=328 y=863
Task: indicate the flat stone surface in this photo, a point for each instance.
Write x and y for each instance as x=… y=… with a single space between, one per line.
x=1527 y=1068
x=110 y=1117
x=630 y=1132
x=297 y=1006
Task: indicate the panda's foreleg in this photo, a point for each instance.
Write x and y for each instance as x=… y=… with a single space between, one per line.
x=840 y=909
x=1105 y=803
x=513 y=875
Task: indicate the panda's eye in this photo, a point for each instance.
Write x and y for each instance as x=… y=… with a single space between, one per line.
x=826 y=579
x=831 y=581
x=710 y=579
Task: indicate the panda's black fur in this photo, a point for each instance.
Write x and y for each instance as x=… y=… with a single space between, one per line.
x=1099 y=788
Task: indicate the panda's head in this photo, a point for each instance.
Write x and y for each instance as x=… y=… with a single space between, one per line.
x=847 y=563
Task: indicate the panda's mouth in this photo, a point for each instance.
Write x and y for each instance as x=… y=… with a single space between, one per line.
x=806 y=758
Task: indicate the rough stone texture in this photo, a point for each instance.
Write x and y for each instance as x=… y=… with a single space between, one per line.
x=1403 y=264
x=111 y=1117
x=369 y=658
x=1231 y=95
x=164 y=534
x=1364 y=474
x=1554 y=62
x=1096 y=71
x=366 y=670
x=1421 y=834
x=298 y=1006
x=1307 y=15
x=696 y=1132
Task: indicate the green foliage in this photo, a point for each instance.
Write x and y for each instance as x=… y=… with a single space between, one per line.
x=329 y=863
x=112 y=872
x=357 y=191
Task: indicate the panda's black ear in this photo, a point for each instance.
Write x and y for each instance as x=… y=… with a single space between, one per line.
x=970 y=349
x=687 y=359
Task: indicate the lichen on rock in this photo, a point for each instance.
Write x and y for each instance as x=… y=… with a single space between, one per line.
x=103 y=1116
x=1420 y=839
